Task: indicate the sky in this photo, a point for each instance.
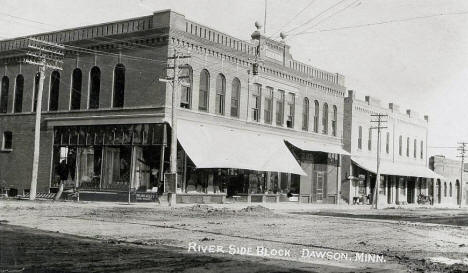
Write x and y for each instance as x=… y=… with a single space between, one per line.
x=410 y=52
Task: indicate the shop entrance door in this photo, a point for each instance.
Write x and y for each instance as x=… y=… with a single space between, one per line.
x=389 y=191
x=141 y=170
x=319 y=182
x=410 y=192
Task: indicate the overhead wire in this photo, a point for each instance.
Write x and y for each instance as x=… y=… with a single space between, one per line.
x=293 y=18
x=385 y=22
x=316 y=16
x=351 y=5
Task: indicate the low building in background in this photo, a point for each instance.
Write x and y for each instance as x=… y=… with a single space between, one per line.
x=404 y=169
x=447 y=189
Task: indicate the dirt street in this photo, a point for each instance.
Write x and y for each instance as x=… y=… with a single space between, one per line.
x=46 y=236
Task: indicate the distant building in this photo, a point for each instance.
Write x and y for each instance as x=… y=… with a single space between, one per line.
x=447 y=188
x=106 y=116
x=404 y=169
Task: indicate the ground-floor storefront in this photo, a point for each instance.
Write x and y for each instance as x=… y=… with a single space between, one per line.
x=398 y=185
x=110 y=158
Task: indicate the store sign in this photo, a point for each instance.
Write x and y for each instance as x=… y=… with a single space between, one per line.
x=118 y=134
x=146 y=196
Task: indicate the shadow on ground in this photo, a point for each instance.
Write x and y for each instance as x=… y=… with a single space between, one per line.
x=31 y=250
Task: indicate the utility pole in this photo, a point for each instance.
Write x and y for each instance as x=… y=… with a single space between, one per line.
x=462 y=150
x=379 y=127
x=175 y=82
x=45 y=55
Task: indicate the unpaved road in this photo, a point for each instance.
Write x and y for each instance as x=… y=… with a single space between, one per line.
x=153 y=238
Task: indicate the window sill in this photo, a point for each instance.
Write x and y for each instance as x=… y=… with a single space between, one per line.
x=6 y=150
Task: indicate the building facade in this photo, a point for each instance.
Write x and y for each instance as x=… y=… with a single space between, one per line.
x=447 y=189
x=106 y=117
x=403 y=150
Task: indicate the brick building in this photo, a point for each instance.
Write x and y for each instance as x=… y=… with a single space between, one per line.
x=447 y=189
x=106 y=117
x=404 y=159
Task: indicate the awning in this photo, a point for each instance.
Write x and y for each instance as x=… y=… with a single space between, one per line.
x=215 y=146
x=390 y=168
x=316 y=147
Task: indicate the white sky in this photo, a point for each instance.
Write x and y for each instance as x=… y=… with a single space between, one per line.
x=420 y=64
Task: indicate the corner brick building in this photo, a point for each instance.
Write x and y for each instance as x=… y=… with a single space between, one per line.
x=106 y=116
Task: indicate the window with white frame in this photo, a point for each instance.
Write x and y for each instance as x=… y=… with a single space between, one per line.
x=7 y=141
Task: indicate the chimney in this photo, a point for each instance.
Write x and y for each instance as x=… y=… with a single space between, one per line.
x=394 y=107
x=372 y=101
x=352 y=94
x=426 y=118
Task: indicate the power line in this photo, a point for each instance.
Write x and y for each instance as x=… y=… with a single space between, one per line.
x=293 y=17
x=316 y=16
x=384 y=22
x=351 y=5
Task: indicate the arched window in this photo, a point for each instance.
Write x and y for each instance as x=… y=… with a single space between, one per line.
x=19 y=87
x=95 y=87
x=204 y=90
x=186 y=91
x=450 y=189
x=457 y=189
x=220 y=94
x=400 y=145
x=407 y=146
x=369 y=140
x=316 y=116
x=75 y=97
x=325 y=119
x=305 y=115
x=415 y=144
x=359 y=143
x=335 y=120
x=4 y=94
x=387 y=145
x=445 y=189
x=119 y=86
x=36 y=90
x=54 y=91
x=235 y=97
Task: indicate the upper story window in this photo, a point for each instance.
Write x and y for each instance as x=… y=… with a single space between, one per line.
x=204 y=90
x=421 y=151
x=335 y=120
x=7 y=143
x=316 y=116
x=369 y=140
x=75 y=97
x=268 y=109
x=220 y=94
x=305 y=115
x=4 y=94
x=119 y=86
x=54 y=91
x=407 y=146
x=415 y=148
x=186 y=90
x=325 y=119
x=280 y=108
x=291 y=110
x=235 y=97
x=387 y=144
x=359 y=143
x=19 y=87
x=256 y=102
x=95 y=87
x=36 y=90
x=400 y=145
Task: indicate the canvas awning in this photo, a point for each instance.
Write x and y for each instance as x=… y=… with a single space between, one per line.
x=306 y=145
x=390 y=168
x=216 y=146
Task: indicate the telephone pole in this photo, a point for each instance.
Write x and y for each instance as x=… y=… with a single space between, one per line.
x=44 y=55
x=379 y=127
x=462 y=150
x=175 y=81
